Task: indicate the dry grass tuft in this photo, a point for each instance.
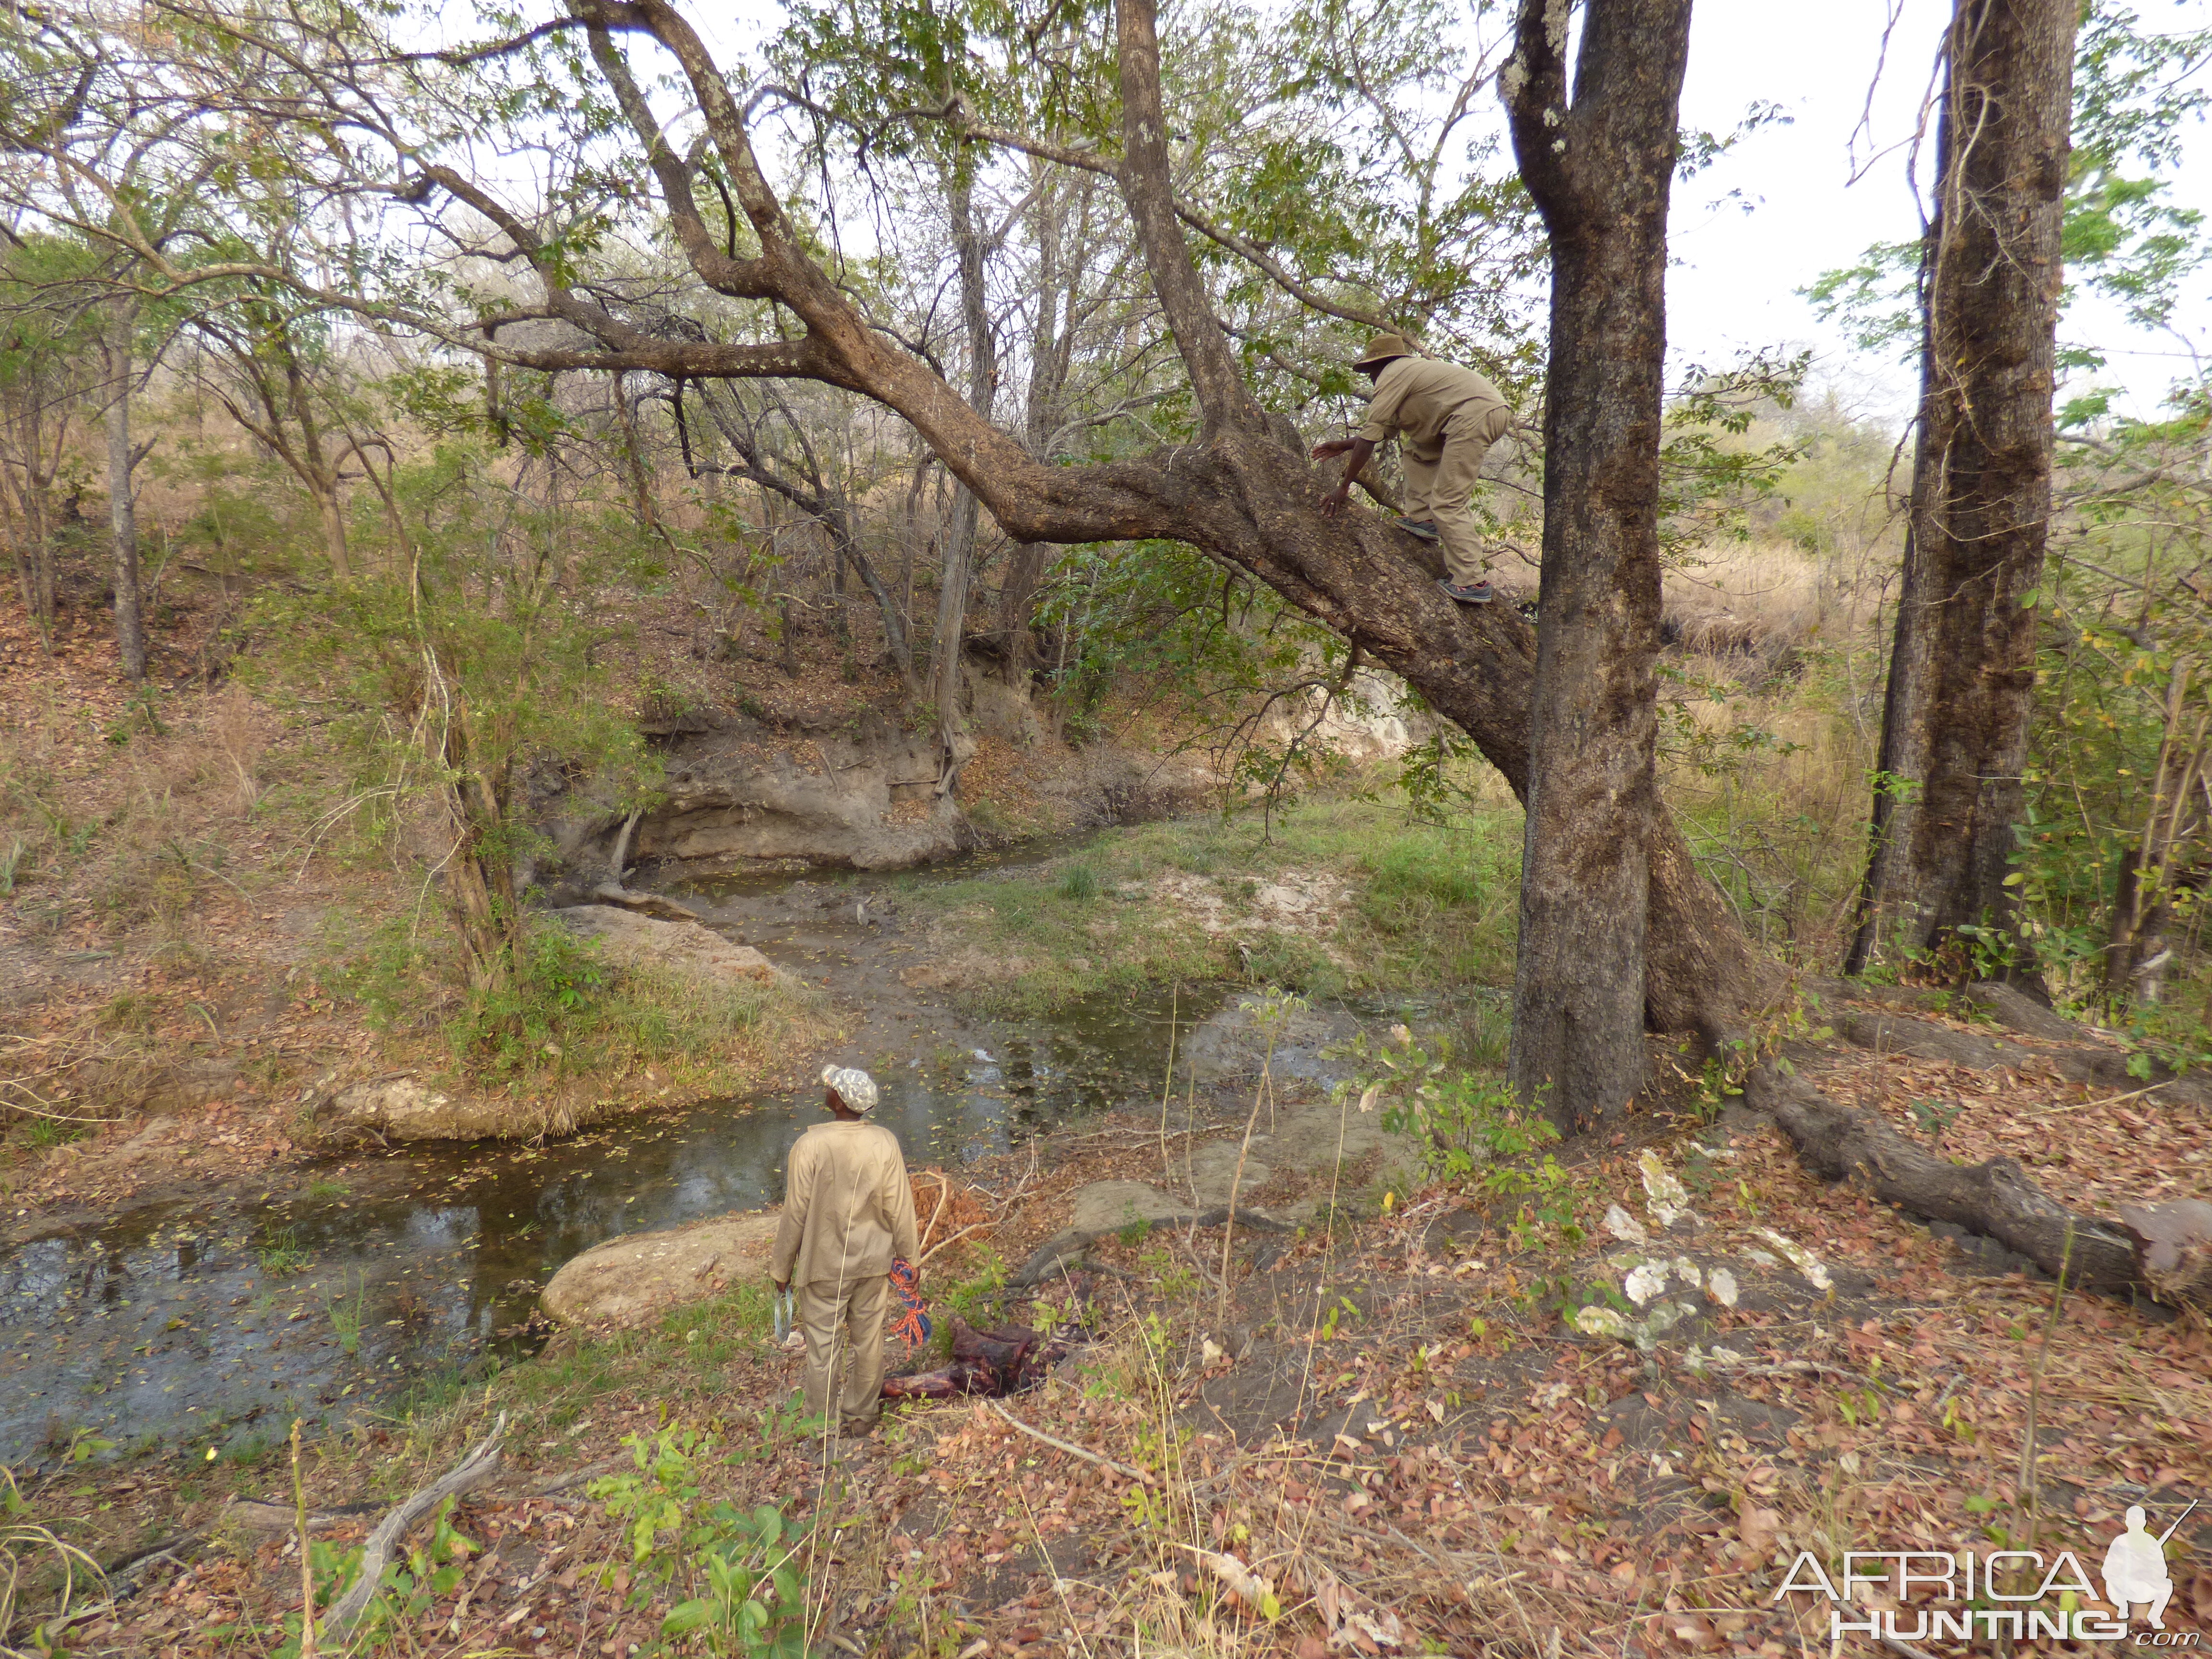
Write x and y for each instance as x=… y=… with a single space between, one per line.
x=1758 y=599
x=235 y=728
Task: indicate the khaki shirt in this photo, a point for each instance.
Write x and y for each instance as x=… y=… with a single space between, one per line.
x=847 y=1209
x=1418 y=397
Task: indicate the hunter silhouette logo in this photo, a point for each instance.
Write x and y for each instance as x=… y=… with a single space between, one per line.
x=2134 y=1569
x=2012 y=1595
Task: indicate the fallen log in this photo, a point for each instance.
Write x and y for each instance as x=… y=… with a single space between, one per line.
x=479 y=1465
x=1995 y=1198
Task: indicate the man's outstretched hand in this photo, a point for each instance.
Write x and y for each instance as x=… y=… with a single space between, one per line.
x=1359 y=449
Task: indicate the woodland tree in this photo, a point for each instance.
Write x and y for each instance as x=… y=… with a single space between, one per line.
x=1948 y=790
x=1599 y=164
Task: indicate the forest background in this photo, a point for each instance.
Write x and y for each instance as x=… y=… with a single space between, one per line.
x=420 y=435
x=240 y=381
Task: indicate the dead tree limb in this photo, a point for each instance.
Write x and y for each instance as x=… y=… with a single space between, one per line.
x=480 y=1464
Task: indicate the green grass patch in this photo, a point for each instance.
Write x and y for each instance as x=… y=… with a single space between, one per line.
x=1409 y=905
x=568 y=1012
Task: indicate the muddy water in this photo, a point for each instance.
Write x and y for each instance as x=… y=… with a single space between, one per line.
x=213 y=1325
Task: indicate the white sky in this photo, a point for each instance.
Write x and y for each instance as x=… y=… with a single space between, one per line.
x=1733 y=289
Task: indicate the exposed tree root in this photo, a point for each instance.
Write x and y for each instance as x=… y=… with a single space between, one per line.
x=1996 y=1198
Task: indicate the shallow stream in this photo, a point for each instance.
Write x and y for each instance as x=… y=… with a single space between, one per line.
x=215 y=1323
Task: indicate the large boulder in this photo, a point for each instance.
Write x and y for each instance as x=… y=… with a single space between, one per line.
x=634 y=1279
x=679 y=947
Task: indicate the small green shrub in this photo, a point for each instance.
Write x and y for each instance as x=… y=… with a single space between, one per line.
x=346 y=1316
x=46 y=1133
x=1079 y=881
x=976 y=1296
x=740 y=1571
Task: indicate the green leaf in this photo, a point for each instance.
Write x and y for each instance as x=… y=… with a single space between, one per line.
x=687 y=1616
x=2031 y=599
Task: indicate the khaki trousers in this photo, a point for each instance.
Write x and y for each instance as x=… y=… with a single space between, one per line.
x=839 y=1326
x=1438 y=486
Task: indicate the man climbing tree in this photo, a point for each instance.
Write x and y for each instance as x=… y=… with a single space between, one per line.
x=1445 y=419
x=1947 y=785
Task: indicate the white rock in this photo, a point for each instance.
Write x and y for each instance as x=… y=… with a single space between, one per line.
x=639 y=1276
x=398 y=1108
x=1624 y=1227
x=1645 y=1280
x=1686 y=1271
x=1763 y=1259
x=1803 y=1260
x=1720 y=1284
x=684 y=948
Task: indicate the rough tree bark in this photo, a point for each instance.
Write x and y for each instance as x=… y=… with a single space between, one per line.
x=1955 y=723
x=121 y=516
x=959 y=566
x=1598 y=167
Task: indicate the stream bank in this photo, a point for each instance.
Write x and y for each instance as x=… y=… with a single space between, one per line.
x=999 y=998
x=212 y=1321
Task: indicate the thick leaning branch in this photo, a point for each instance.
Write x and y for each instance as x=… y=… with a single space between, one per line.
x=1242 y=496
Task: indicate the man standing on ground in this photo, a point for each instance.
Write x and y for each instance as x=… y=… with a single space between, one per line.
x=1445 y=419
x=848 y=1210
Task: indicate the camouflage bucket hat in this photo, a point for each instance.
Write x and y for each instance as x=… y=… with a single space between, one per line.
x=855 y=1088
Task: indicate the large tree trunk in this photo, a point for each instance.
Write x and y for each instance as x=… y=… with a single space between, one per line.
x=1599 y=168
x=1955 y=732
x=958 y=568
x=122 y=515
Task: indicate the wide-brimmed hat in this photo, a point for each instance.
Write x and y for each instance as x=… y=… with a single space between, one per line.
x=854 y=1087
x=1382 y=348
